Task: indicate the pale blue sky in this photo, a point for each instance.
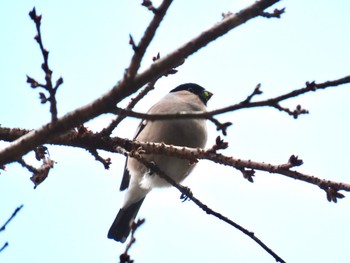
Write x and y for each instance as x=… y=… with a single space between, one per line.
x=66 y=219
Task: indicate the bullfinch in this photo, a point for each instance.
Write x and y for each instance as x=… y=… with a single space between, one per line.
x=139 y=180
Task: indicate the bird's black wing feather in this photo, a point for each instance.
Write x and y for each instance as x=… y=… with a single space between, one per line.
x=126 y=176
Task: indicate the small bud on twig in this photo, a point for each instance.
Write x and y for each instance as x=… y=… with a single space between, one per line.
x=295 y=161
x=33 y=83
x=276 y=13
x=247 y=174
x=311 y=85
x=155 y=58
x=132 y=43
x=333 y=195
x=42 y=98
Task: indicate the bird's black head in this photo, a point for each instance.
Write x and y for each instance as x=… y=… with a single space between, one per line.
x=203 y=94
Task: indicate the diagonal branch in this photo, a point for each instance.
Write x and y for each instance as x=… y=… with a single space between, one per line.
x=11 y=217
x=140 y=49
x=108 y=130
x=127 y=86
x=230 y=22
x=187 y=192
x=7 y=222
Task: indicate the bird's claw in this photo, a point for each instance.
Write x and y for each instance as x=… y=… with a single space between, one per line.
x=186 y=195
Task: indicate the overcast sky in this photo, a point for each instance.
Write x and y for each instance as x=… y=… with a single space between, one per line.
x=66 y=219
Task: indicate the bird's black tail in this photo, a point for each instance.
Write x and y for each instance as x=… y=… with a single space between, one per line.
x=120 y=228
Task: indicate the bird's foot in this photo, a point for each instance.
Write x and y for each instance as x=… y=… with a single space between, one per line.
x=186 y=195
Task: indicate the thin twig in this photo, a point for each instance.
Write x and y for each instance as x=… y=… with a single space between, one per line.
x=4 y=246
x=48 y=86
x=276 y=13
x=29 y=167
x=11 y=217
x=7 y=222
x=41 y=173
x=108 y=130
x=140 y=49
x=125 y=257
x=106 y=162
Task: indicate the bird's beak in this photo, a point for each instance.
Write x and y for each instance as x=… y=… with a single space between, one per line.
x=209 y=94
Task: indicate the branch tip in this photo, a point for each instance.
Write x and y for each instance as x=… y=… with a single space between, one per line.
x=36 y=18
x=220 y=144
x=155 y=58
x=295 y=161
x=276 y=13
x=132 y=43
x=311 y=85
x=256 y=91
x=333 y=194
x=125 y=257
x=33 y=83
x=247 y=173
x=148 y=4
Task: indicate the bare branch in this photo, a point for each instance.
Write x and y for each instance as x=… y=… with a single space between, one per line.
x=108 y=130
x=219 y=29
x=148 y=4
x=41 y=173
x=189 y=195
x=94 y=140
x=4 y=246
x=129 y=84
x=48 y=86
x=125 y=257
x=256 y=91
x=276 y=13
x=140 y=49
x=7 y=222
x=106 y=162
x=29 y=167
x=247 y=103
x=190 y=153
x=11 y=217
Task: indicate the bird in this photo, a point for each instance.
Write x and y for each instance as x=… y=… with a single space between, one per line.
x=139 y=180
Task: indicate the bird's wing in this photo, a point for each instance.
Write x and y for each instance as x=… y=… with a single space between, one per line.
x=126 y=176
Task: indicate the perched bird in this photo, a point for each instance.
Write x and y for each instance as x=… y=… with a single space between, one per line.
x=137 y=179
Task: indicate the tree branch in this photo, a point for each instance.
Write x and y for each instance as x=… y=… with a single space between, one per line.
x=282 y=169
x=128 y=85
x=187 y=192
x=108 y=130
x=140 y=49
x=247 y=103
x=4 y=246
x=7 y=222
x=89 y=140
x=125 y=257
x=11 y=217
x=48 y=86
